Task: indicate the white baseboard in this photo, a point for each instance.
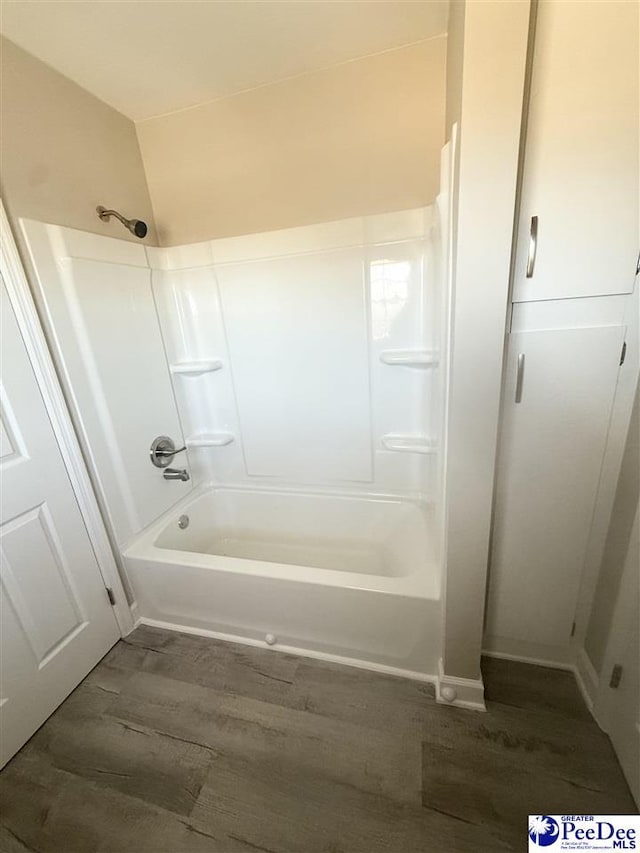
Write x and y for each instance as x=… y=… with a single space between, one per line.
x=135 y=616
x=293 y=650
x=587 y=679
x=549 y=664
x=585 y=675
x=459 y=692
x=540 y=654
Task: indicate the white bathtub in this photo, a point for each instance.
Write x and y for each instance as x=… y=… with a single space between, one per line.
x=347 y=578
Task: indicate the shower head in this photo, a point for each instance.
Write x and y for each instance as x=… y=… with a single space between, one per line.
x=136 y=226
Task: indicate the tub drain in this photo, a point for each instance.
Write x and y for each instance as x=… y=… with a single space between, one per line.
x=183 y=522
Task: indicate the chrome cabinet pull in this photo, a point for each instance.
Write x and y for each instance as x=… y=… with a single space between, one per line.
x=520 y=379
x=533 y=246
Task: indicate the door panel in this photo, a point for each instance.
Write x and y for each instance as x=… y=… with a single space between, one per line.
x=580 y=173
x=30 y=541
x=551 y=449
x=617 y=709
x=56 y=618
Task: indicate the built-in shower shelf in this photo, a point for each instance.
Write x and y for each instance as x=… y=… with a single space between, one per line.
x=409 y=357
x=210 y=439
x=409 y=443
x=196 y=368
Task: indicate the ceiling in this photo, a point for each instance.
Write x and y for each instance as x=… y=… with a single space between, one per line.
x=149 y=57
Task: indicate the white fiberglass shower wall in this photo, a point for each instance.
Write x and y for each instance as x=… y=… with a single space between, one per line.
x=306 y=357
x=305 y=371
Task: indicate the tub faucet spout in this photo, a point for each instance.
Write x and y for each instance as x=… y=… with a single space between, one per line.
x=176 y=474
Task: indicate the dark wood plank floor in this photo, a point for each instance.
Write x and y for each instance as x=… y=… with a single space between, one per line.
x=177 y=743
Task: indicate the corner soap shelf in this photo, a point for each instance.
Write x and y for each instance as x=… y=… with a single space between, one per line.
x=195 y=368
x=409 y=443
x=210 y=439
x=409 y=357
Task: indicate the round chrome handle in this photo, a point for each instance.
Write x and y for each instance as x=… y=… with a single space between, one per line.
x=163 y=449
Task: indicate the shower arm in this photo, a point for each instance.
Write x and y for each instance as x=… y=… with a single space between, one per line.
x=137 y=226
x=105 y=215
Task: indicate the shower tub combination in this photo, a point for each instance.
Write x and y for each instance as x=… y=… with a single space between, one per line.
x=342 y=577
x=303 y=374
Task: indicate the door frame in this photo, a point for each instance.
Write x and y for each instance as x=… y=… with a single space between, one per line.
x=22 y=302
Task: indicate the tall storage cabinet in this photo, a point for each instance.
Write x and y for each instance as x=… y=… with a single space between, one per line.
x=574 y=307
x=552 y=444
x=580 y=183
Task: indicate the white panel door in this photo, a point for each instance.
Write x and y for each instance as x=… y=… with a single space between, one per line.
x=55 y=618
x=581 y=163
x=617 y=705
x=551 y=449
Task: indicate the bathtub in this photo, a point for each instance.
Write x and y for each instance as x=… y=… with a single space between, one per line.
x=343 y=577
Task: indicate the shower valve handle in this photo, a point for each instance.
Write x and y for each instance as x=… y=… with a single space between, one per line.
x=162 y=451
x=170 y=452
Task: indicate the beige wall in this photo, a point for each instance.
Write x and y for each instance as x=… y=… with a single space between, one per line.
x=363 y=137
x=617 y=545
x=64 y=151
x=455 y=61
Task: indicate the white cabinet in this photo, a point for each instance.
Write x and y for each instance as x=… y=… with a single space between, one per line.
x=580 y=176
x=551 y=449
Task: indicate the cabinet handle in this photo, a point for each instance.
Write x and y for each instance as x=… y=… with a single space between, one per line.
x=533 y=246
x=520 y=379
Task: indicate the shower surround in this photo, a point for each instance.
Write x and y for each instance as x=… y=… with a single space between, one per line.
x=305 y=371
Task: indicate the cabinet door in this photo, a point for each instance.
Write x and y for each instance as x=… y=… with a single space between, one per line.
x=581 y=161
x=551 y=448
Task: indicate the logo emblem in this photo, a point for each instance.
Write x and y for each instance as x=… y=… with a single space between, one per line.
x=543 y=830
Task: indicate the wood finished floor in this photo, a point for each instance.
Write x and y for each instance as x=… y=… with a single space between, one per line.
x=177 y=743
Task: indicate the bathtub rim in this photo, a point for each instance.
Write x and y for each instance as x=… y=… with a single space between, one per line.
x=425 y=583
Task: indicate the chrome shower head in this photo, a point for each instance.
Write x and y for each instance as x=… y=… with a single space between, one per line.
x=136 y=226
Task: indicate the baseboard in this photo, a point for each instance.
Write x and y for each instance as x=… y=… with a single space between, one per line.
x=294 y=650
x=535 y=661
x=459 y=692
x=540 y=654
x=585 y=675
x=135 y=616
x=587 y=679
x=466 y=692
